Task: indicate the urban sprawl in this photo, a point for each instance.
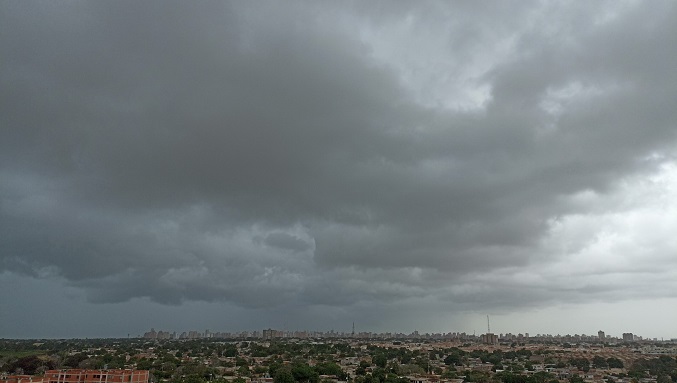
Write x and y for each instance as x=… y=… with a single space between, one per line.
x=273 y=356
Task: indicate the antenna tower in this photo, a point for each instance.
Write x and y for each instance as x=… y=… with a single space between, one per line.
x=488 y=327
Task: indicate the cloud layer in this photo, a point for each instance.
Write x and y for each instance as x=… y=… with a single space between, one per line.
x=338 y=155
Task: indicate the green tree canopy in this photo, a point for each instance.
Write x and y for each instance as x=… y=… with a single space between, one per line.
x=380 y=360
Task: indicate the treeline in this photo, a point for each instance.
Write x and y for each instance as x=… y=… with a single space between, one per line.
x=30 y=365
x=663 y=367
x=302 y=372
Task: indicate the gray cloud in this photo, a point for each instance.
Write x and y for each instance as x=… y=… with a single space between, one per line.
x=315 y=154
x=286 y=241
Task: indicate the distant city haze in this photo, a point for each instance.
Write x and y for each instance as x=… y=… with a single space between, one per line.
x=486 y=338
x=303 y=166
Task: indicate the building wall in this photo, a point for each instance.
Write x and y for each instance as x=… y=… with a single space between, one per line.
x=96 y=376
x=21 y=379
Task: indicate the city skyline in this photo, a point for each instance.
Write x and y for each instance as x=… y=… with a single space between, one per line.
x=301 y=164
x=271 y=333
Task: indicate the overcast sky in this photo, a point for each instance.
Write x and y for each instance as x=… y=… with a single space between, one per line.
x=305 y=165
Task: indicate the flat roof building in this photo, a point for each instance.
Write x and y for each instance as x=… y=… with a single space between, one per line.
x=96 y=376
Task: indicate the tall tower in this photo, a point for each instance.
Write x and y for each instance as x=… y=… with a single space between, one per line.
x=353 y=333
x=489 y=337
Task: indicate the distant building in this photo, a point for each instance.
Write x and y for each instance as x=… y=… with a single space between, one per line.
x=268 y=334
x=152 y=334
x=272 y=334
x=489 y=338
x=628 y=337
x=600 y=335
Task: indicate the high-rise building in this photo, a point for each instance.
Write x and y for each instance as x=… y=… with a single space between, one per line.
x=489 y=338
x=628 y=337
x=271 y=334
x=150 y=334
x=600 y=335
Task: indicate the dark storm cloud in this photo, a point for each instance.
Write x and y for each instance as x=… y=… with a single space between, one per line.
x=286 y=241
x=267 y=153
